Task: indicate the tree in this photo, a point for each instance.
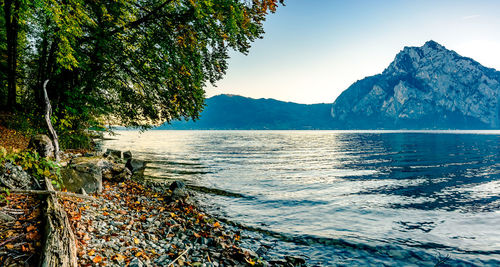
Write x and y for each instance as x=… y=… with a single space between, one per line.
x=136 y=63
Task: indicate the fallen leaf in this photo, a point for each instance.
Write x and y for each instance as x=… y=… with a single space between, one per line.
x=30 y=228
x=91 y=252
x=97 y=259
x=9 y=246
x=118 y=257
x=216 y=224
x=136 y=241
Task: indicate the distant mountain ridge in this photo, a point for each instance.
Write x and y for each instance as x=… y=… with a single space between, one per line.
x=233 y=112
x=428 y=87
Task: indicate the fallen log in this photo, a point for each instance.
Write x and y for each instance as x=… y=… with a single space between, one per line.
x=60 y=243
x=48 y=192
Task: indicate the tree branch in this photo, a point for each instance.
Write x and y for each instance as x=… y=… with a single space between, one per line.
x=143 y=19
x=48 y=111
x=47 y=192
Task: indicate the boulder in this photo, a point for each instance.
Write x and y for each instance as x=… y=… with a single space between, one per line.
x=43 y=145
x=179 y=191
x=136 y=166
x=295 y=260
x=117 y=154
x=83 y=174
x=127 y=155
x=109 y=169
x=13 y=176
x=115 y=172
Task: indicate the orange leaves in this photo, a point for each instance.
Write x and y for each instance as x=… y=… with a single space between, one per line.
x=97 y=259
x=122 y=212
x=118 y=257
x=20 y=238
x=30 y=228
x=216 y=225
x=91 y=252
x=12 y=140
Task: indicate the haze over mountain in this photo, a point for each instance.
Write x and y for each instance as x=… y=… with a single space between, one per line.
x=427 y=87
x=232 y=112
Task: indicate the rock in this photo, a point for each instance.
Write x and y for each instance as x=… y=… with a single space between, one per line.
x=117 y=154
x=427 y=87
x=136 y=166
x=177 y=185
x=249 y=253
x=13 y=176
x=127 y=155
x=114 y=171
x=43 y=145
x=83 y=173
x=135 y=263
x=179 y=191
x=295 y=260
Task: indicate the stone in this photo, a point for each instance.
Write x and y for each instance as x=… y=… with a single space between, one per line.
x=427 y=87
x=113 y=153
x=177 y=185
x=86 y=174
x=43 y=145
x=135 y=263
x=136 y=166
x=295 y=260
x=179 y=191
x=127 y=155
x=14 y=177
x=115 y=171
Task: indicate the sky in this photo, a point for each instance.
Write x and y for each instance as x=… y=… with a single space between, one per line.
x=315 y=49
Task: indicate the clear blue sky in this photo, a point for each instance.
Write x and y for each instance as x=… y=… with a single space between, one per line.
x=315 y=49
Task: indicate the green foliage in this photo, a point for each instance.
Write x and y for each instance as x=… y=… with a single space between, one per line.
x=36 y=166
x=4 y=195
x=129 y=62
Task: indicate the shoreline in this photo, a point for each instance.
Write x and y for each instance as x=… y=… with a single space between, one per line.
x=135 y=224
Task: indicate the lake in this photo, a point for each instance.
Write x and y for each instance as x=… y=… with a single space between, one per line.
x=343 y=197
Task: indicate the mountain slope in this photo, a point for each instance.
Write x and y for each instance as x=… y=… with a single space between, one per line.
x=428 y=87
x=231 y=112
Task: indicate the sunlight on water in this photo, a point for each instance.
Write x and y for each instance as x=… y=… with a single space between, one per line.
x=354 y=197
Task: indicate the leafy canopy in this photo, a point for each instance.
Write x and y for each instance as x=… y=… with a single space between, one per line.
x=132 y=62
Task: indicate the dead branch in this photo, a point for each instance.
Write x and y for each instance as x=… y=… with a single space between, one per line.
x=48 y=112
x=47 y=192
x=185 y=251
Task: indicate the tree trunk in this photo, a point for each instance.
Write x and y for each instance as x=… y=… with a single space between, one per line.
x=60 y=243
x=11 y=9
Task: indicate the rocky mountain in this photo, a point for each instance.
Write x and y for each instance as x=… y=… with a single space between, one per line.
x=232 y=112
x=428 y=87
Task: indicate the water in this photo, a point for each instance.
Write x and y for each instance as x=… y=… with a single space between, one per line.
x=344 y=198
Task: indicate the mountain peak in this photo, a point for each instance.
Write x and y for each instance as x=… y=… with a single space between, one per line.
x=431 y=44
x=424 y=87
x=412 y=58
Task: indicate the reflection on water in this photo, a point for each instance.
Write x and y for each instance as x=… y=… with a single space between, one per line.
x=358 y=197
